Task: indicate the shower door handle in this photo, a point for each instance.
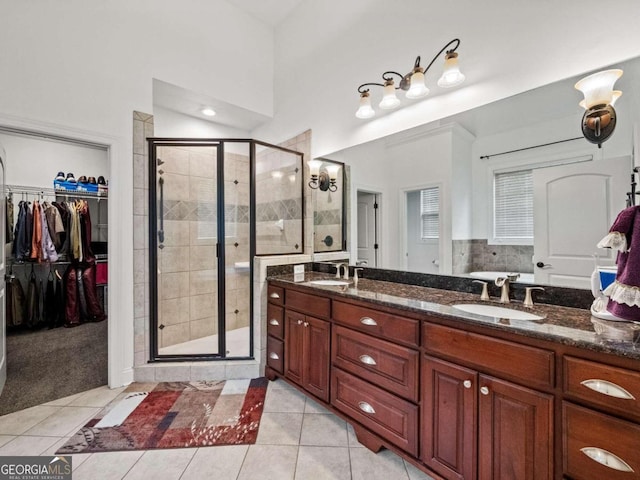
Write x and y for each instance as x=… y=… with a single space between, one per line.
x=161 y=229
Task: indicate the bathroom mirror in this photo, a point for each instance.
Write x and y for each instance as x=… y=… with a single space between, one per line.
x=329 y=219
x=436 y=205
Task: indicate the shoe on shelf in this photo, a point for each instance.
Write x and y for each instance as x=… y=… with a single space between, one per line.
x=101 y=180
x=92 y=180
x=60 y=177
x=82 y=179
x=71 y=178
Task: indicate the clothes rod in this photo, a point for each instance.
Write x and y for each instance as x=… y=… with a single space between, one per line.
x=483 y=157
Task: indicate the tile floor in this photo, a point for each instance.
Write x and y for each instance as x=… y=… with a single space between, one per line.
x=298 y=439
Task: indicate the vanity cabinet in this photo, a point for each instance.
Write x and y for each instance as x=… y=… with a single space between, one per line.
x=513 y=425
x=601 y=437
x=307 y=353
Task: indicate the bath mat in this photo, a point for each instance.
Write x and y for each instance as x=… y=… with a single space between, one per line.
x=175 y=415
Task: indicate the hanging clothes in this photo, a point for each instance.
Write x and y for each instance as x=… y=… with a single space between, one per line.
x=15 y=300
x=36 y=239
x=59 y=300
x=65 y=217
x=54 y=222
x=49 y=311
x=22 y=236
x=32 y=303
x=9 y=219
x=47 y=247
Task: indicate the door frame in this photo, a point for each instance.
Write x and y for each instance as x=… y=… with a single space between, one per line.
x=120 y=239
x=404 y=236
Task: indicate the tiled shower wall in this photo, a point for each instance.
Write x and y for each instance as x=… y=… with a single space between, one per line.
x=477 y=255
x=142 y=128
x=279 y=214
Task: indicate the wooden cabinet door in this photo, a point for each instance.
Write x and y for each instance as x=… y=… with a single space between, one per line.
x=449 y=394
x=316 y=357
x=515 y=440
x=294 y=346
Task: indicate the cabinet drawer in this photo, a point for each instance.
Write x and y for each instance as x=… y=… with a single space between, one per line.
x=275 y=321
x=275 y=294
x=510 y=360
x=597 y=446
x=392 y=418
x=386 y=325
x=275 y=354
x=311 y=304
x=383 y=363
x=614 y=389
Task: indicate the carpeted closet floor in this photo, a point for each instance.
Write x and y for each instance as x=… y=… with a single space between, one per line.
x=45 y=365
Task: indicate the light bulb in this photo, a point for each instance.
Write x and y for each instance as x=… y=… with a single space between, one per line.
x=365 y=110
x=451 y=76
x=418 y=88
x=333 y=170
x=314 y=167
x=598 y=88
x=389 y=99
x=208 y=111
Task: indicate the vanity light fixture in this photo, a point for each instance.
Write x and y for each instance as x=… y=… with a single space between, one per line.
x=325 y=179
x=208 y=111
x=599 y=119
x=412 y=82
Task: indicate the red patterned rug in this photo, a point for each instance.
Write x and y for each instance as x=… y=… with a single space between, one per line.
x=175 y=415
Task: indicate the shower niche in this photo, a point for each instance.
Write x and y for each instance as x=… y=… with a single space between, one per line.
x=214 y=205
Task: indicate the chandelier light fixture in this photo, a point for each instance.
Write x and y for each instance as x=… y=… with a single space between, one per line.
x=599 y=119
x=412 y=82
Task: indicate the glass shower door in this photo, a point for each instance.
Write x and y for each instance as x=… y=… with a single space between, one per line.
x=186 y=249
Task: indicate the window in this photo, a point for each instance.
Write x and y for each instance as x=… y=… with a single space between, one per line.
x=430 y=213
x=513 y=206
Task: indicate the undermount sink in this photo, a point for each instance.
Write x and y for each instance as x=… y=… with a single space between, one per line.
x=497 y=312
x=330 y=283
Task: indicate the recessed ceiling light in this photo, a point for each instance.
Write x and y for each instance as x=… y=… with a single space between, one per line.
x=208 y=111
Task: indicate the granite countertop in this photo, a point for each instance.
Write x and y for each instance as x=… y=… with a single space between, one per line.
x=569 y=326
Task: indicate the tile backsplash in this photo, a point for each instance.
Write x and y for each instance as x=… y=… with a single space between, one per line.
x=477 y=255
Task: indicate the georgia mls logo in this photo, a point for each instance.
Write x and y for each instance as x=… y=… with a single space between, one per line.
x=35 y=468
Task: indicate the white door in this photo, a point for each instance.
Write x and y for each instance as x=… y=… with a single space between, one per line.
x=3 y=329
x=574 y=207
x=422 y=253
x=367 y=229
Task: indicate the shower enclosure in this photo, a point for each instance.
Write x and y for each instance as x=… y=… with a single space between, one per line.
x=214 y=205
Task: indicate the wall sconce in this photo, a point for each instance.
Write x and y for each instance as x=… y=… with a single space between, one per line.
x=599 y=119
x=325 y=179
x=412 y=82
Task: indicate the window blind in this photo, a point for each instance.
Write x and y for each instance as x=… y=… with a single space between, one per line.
x=430 y=212
x=513 y=205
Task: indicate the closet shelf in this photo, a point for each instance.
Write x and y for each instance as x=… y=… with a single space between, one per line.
x=30 y=190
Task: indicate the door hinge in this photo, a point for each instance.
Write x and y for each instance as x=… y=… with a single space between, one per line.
x=375 y=205
x=375 y=246
x=217 y=250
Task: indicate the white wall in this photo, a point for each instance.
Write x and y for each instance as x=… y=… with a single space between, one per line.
x=35 y=161
x=324 y=50
x=81 y=67
x=168 y=123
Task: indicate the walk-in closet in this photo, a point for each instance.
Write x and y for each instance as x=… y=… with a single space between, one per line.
x=56 y=268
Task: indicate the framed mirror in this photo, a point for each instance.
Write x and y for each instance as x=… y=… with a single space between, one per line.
x=330 y=199
x=529 y=145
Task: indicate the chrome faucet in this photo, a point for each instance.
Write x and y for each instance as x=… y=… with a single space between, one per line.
x=484 y=296
x=528 y=299
x=504 y=293
x=355 y=276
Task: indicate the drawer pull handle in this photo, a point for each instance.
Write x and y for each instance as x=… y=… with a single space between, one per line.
x=306 y=324
x=607 y=459
x=467 y=384
x=368 y=321
x=274 y=295
x=607 y=388
x=367 y=360
x=299 y=322
x=274 y=322
x=484 y=390
x=274 y=356
x=365 y=407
